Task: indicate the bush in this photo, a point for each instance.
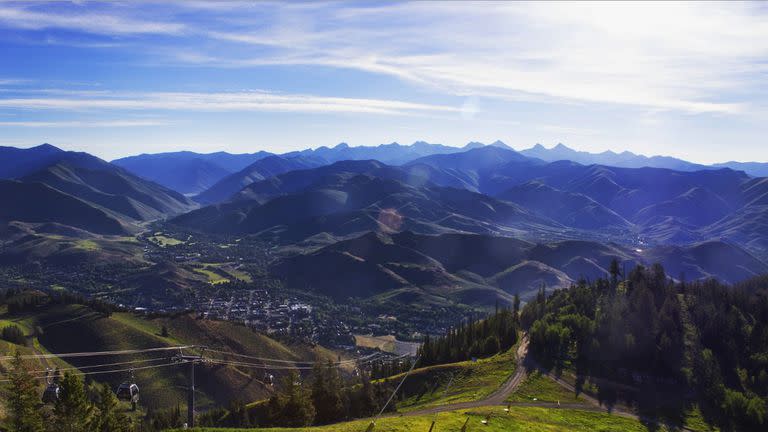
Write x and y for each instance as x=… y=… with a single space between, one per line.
x=13 y=334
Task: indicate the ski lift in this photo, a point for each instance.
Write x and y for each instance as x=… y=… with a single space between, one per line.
x=128 y=391
x=52 y=388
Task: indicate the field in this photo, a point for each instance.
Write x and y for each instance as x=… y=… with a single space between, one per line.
x=518 y=419
x=538 y=387
x=221 y=273
x=387 y=343
x=472 y=381
x=163 y=241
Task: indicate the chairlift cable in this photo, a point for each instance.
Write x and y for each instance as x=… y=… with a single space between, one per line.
x=114 y=370
x=99 y=353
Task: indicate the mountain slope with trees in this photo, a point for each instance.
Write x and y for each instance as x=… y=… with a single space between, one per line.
x=704 y=342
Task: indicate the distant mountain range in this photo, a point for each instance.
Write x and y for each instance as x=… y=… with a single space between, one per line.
x=628 y=159
x=188 y=172
x=433 y=222
x=262 y=169
x=195 y=173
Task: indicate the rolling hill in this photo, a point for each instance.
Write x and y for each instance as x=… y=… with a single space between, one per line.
x=569 y=208
x=66 y=328
x=348 y=203
x=111 y=188
x=481 y=269
x=40 y=204
x=77 y=209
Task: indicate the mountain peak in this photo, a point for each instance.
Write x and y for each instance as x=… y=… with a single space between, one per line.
x=341 y=146
x=47 y=147
x=499 y=143
x=538 y=146
x=473 y=145
x=561 y=147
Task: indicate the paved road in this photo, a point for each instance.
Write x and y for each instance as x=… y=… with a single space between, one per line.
x=496 y=398
x=500 y=396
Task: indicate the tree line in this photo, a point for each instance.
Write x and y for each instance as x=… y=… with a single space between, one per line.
x=78 y=408
x=473 y=339
x=704 y=341
x=326 y=398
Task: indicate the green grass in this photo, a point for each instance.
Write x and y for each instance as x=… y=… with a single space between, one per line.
x=88 y=245
x=213 y=277
x=163 y=241
x=543 y=389
x=518 y=419
x=74 y=328
x=695 y=422
x=229 y=270
x=221 y=273
x=471 y=381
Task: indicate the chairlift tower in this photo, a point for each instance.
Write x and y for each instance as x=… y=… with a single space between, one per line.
x=192 y=360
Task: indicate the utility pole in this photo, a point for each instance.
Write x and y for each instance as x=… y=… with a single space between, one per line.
x=192 y=360
x=191 y=396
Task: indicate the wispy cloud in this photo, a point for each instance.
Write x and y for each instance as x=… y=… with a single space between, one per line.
x=671 y=56
x=106 y=23
x=233 y=101
x=688 y=57
x=83 y=123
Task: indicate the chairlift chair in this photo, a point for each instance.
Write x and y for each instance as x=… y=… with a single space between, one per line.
x=52 y=388
x=51 y=393
x=128 y=391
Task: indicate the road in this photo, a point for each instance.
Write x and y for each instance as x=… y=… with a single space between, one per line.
x=496 y=398
x=500 y=396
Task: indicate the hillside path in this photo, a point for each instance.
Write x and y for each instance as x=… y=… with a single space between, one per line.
x=500 y=396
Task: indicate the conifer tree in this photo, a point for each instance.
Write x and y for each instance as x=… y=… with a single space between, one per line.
x=23 y=398
x=73 y=411
x=326 y=394
x=108 y=418
x=297 y=408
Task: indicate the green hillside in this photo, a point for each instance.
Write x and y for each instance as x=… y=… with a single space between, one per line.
x=426 y=387
x=518 y=419
x=78 y=328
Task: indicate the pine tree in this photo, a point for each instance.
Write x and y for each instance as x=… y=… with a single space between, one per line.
x=516 y=307
x=297 y=410
x=108 y=419
x=23 y=398
x=73 y=411
x=615 y=272
x=326 y=394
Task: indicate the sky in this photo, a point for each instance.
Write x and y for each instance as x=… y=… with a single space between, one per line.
x=122 y=78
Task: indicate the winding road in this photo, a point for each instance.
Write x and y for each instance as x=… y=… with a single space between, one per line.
x=502 y=394
x=496 y=398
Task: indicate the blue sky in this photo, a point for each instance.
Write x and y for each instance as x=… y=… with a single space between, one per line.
x=121 y=78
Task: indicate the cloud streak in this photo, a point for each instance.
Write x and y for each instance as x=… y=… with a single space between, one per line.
x=671 y=56
x=232 y=101
x=688 y=57
x=106 y=23
x=83 y=124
